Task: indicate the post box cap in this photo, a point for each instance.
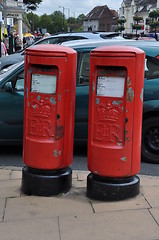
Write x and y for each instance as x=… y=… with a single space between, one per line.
x=47 y=49
x=117 y=49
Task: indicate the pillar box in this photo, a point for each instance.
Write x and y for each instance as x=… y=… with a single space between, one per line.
x=115 y=122
x=49 y=109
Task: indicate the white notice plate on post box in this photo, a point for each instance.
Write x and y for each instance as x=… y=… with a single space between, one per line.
x=110 y=86
x=42 y=83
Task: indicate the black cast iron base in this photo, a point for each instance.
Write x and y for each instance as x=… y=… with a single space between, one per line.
x=112 y=189
x=45 y=182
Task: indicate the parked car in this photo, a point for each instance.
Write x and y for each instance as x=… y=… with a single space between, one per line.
x=58 y=39
x=12 y=93
x=153 y=35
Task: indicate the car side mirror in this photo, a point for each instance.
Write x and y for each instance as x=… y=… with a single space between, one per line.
x=8 y=87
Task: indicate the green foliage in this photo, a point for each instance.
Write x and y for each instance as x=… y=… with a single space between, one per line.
x=59 y=22
x=137 y=27
x=33 y=20
x=45 y=22
x=121 y=21
x=80 y=18
x=26 y=20
x=55 y=22
x=71 y=20
x=121 y=28
x=79 y=29
x=137 y=18
x=32 y=4
x=154 y=24
x=154 y=14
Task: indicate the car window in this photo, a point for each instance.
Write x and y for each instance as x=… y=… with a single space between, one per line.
x=72 y=38
x=83 y=76
x=50 y=41
x=151 y=67
x=19 y=86
x=57 y=40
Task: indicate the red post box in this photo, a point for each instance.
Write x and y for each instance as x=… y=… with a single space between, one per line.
x=115 y=122
x=49 y=109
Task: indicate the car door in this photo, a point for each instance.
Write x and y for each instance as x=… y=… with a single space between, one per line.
x=11 y=108
x=82 y=97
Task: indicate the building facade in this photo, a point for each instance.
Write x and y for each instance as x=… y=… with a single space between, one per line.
x=101 y=18
x=11 y=10
x=142 y=8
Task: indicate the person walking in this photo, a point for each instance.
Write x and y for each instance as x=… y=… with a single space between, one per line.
x=6 y=41
x=18 y=43
x=3 y=49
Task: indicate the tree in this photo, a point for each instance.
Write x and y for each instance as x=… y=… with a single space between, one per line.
x=46 y=22
x=55 y=22
x=71 y=23
x=121 y=22
x=32 y=4
x=154 y=15
x=80 y=18
x=136 y=26
x=33 y=20
x=26 y=20
x=59 y=22
x=71 y=20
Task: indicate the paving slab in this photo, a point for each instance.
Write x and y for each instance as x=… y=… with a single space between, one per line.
x=74 y=174
x=138 y=202
x=82 y=175
x=5 y=174
x=10 y=188
x=11 y=168
x=41 y=229
x=40 y=207
x=78 y=184
x=125 y=225
x=151 y=194
x=155 y=214
x=16 y=174
x=146 y=181
x=2 y=208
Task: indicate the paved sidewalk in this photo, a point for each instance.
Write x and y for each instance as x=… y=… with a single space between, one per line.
x=73 y=216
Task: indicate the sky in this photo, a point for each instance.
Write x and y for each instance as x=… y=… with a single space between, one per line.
x=73 y=8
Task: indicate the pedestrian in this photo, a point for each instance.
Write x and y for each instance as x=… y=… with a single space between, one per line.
x=18 y=43
x=46 y=35
x=24 y=42
x=29 y=41
x=6 y=41
x=3 y=49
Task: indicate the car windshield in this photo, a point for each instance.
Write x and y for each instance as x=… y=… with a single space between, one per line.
x=9 y=70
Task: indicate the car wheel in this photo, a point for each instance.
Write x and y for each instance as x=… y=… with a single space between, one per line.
x=150 y=140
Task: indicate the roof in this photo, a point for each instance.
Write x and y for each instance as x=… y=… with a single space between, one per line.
x=100 y=12
x=114 y=13
x=140 y=2
x=150 y=47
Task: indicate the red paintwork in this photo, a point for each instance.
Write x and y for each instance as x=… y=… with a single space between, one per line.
x=49 y=118
x=115 y=123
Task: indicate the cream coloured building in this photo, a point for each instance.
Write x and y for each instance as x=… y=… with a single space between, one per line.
x=130 y=8
x=12 y=9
